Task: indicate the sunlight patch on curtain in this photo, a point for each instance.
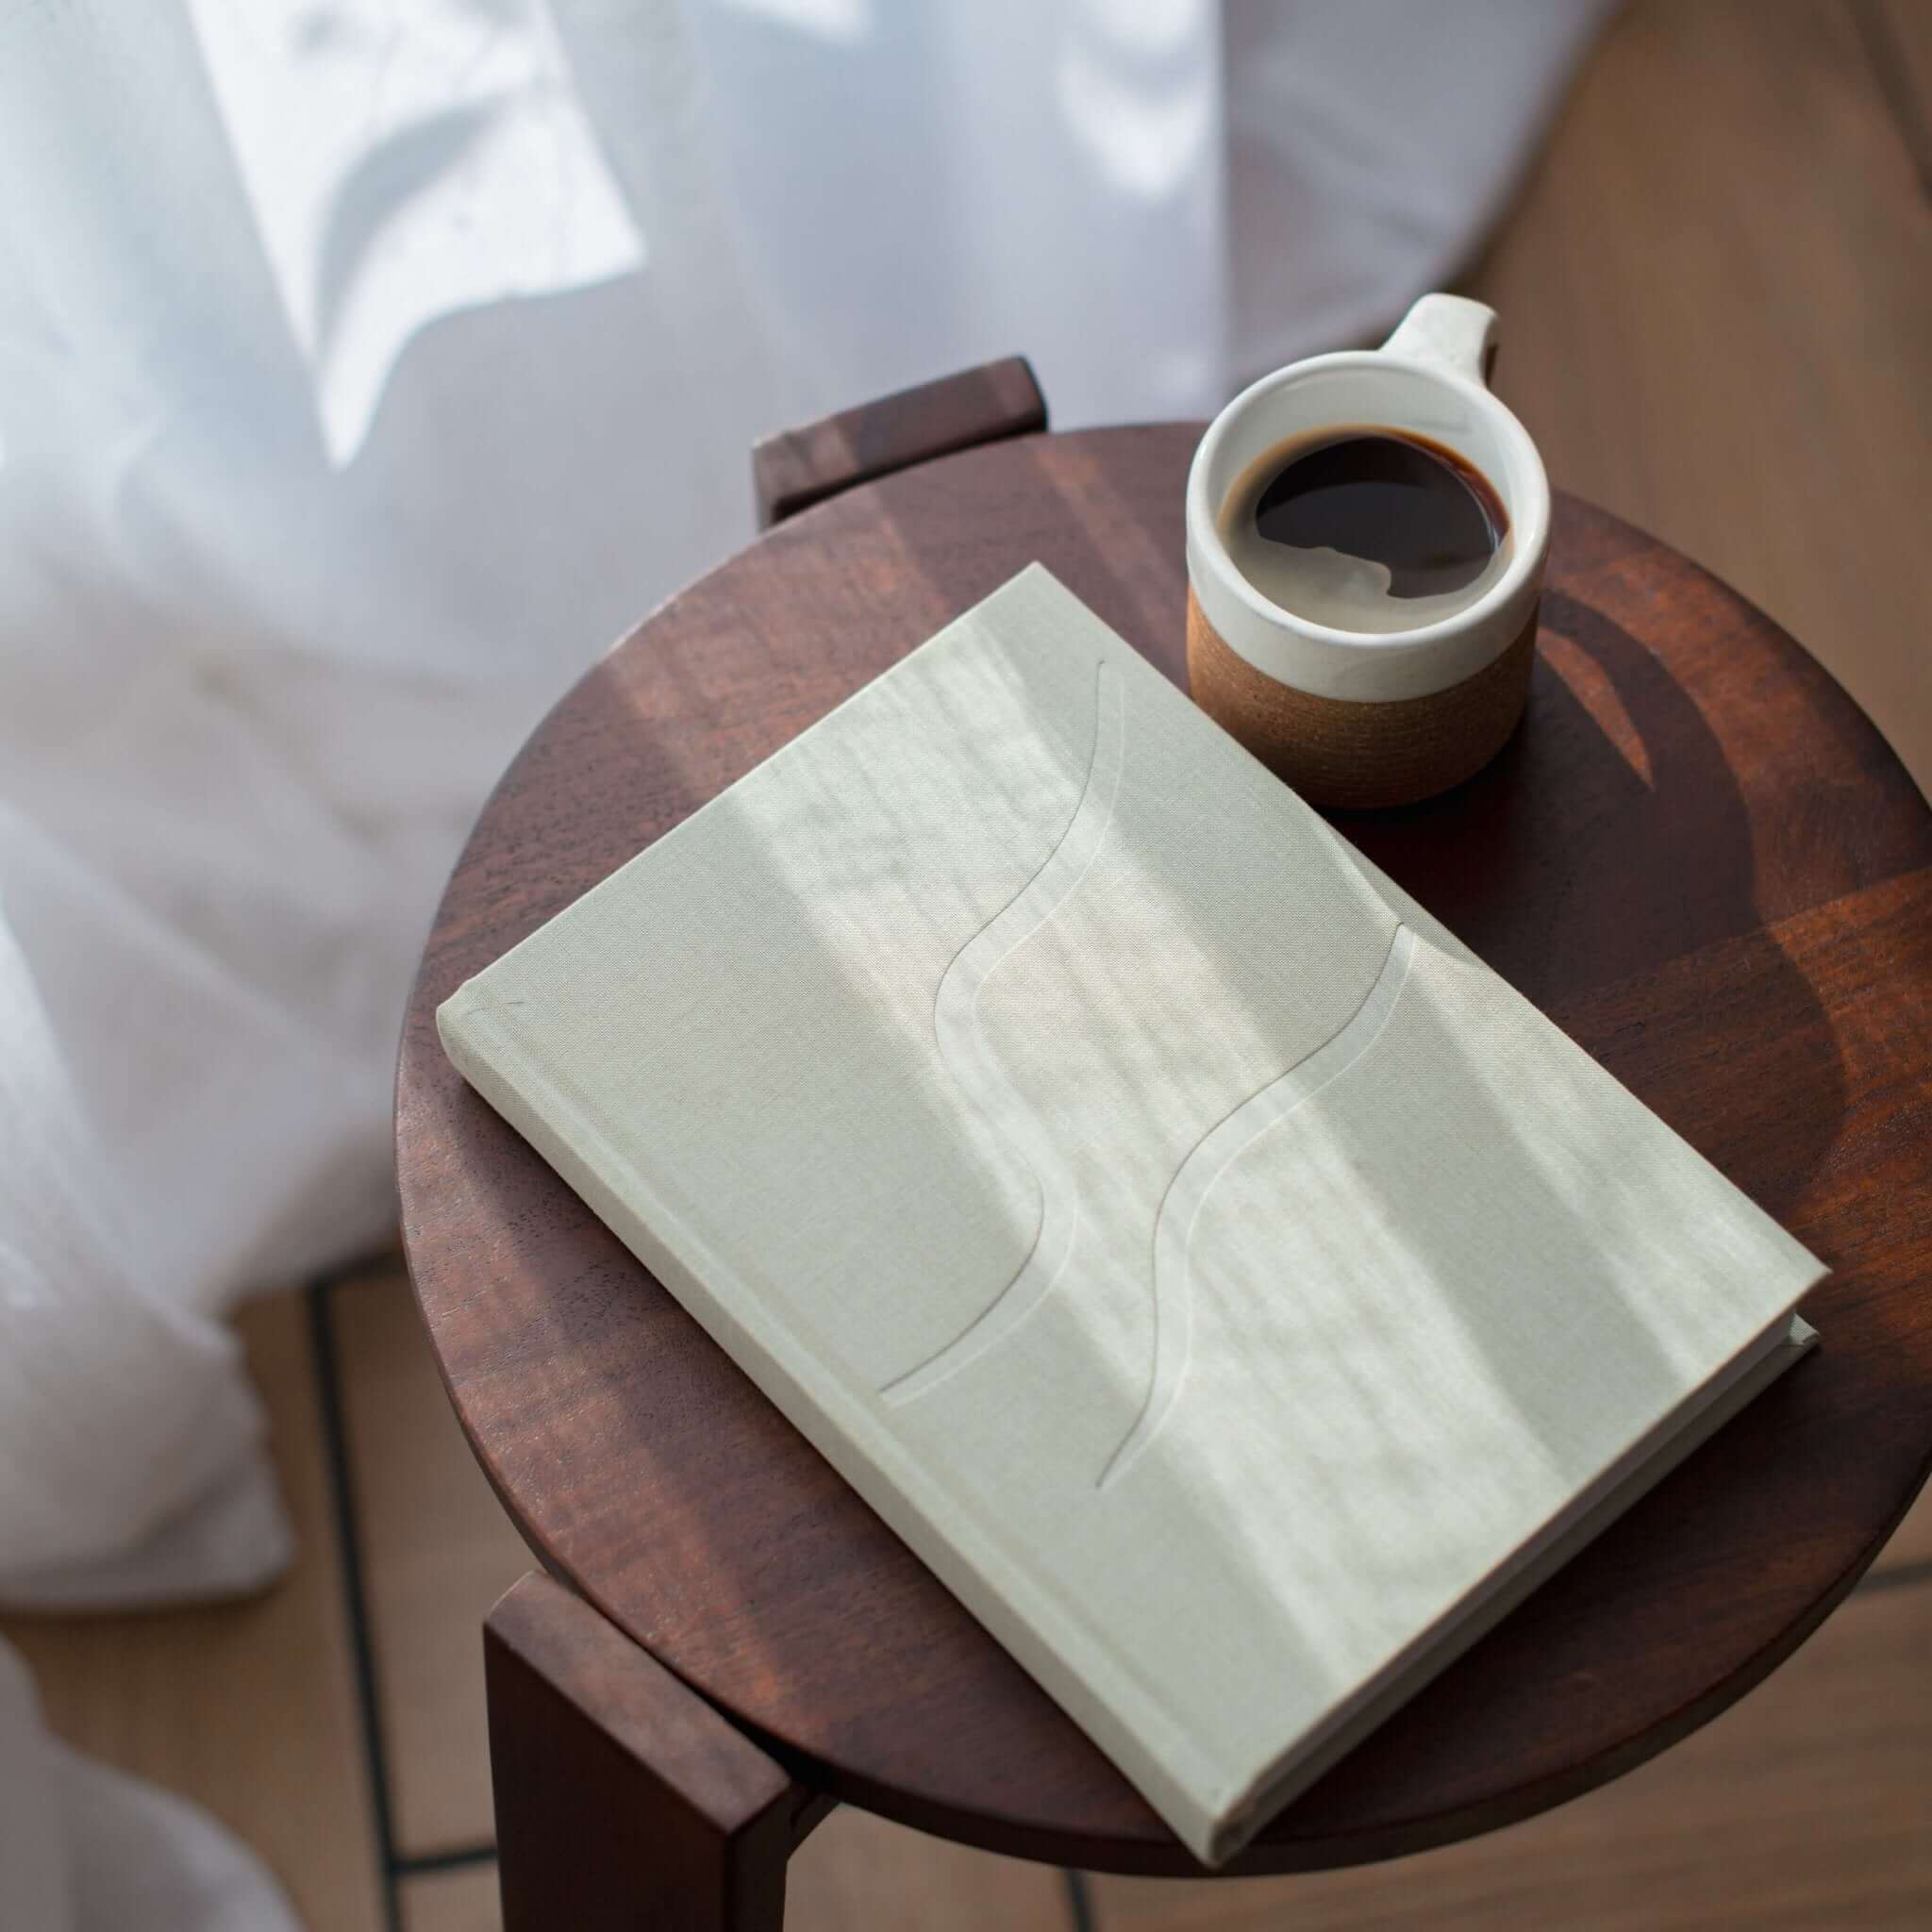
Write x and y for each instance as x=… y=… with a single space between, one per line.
x=1138 y=86
x=403 y=163
x=840 y=22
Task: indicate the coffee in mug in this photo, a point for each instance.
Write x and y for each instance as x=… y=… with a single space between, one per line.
x=1367 y=533
x=1366 y=528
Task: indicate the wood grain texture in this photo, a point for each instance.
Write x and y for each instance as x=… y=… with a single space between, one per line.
x=1714 y=292
x=1696 y=853
x=1802 y=1808
x=800 y=467
x=621 y=1800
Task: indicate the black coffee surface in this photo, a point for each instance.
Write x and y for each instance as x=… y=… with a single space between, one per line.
x=1393 y=502
x=1366 y=530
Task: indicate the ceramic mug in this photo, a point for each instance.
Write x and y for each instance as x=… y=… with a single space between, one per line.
x=1346 y=717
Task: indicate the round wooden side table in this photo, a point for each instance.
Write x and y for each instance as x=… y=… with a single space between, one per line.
x=1696 y=855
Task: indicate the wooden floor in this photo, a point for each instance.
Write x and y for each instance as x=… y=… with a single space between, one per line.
x=1717 y=298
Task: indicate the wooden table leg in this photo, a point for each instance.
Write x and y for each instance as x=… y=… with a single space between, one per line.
x=623 y=1799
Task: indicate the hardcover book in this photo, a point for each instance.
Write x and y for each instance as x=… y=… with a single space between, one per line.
x=1233 y=1290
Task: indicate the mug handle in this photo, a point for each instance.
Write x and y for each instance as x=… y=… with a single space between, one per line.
x=1450 y=331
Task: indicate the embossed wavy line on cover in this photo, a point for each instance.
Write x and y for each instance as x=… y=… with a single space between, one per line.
x=1197 y=1176
x=976 y=1070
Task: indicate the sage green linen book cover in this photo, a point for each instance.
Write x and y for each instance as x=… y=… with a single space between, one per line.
x=1233 y=1290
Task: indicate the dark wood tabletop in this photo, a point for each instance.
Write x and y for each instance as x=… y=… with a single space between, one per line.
x=1696 y=855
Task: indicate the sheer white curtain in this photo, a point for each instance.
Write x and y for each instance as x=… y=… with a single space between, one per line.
x=365 y=368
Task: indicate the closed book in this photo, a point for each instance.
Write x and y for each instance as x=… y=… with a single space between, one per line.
x=1232 y=1289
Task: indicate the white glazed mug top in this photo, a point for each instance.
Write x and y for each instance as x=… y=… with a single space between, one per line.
x=1426 y=378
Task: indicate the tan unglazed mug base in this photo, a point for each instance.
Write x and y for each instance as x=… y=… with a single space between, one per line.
x=1344 y=752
